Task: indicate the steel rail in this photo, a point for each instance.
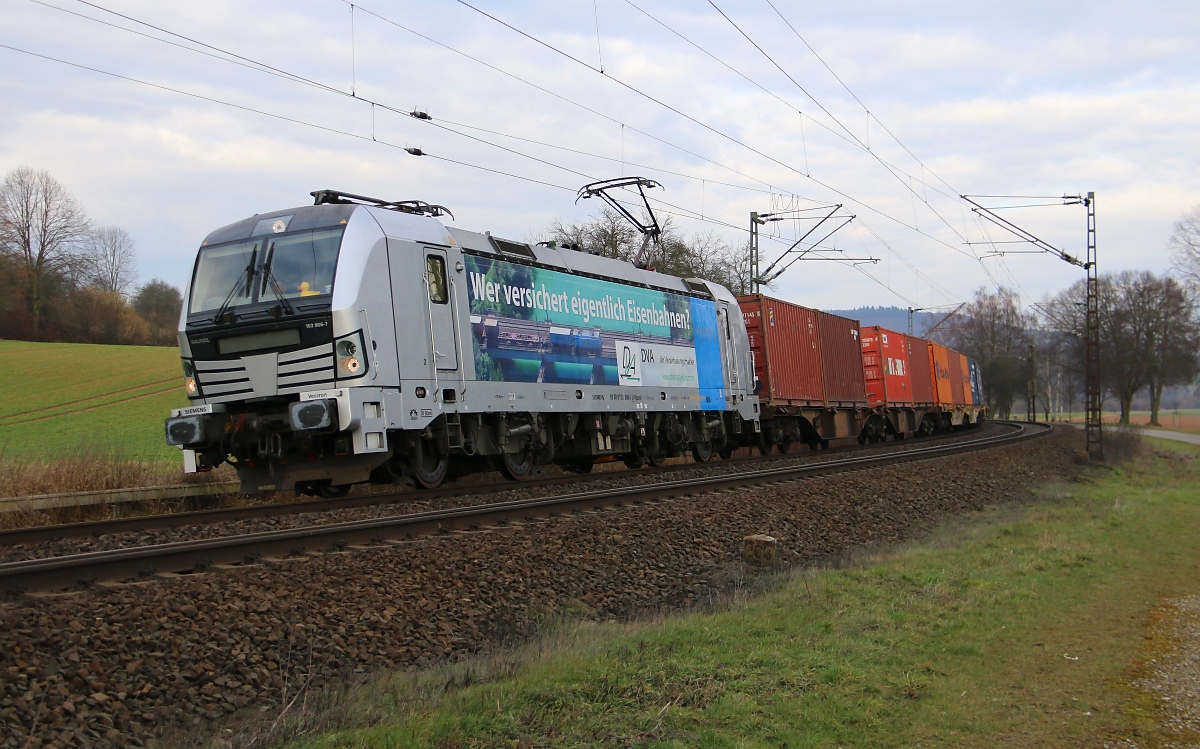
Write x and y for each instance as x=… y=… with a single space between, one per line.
x=59 y=573
x=138 y=523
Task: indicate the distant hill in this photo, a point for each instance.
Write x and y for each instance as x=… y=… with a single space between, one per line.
x=892 y=318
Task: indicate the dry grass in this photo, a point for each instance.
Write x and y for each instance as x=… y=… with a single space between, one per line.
x=87 y=470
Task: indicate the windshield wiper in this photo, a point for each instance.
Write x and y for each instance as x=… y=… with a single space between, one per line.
x=247 y=274
x=276 y=288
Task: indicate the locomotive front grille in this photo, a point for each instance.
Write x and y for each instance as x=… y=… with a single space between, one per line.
x=261 y=375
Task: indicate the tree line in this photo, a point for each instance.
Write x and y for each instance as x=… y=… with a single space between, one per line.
x=70 y=280
x=1149 y=330
x=1149 y=326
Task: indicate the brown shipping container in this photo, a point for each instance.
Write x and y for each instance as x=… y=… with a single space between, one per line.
x=787 y=350
x=954 y=359
x=841 y=361
x=920 y=374
x=939 y=360
x=964 y=368
x=885 y=366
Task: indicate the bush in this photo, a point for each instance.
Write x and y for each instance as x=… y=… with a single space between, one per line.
x=1122 y=443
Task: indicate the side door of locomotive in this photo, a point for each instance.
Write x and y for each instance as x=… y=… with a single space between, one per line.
x=729 y=347
x=442 y=305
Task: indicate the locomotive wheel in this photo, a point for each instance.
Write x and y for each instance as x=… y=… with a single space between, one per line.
x=634 y=461
x=429 y=471
x=764 y=444
x=702 y=452
x=725 y=452
x=785 y=446
x=517 y=466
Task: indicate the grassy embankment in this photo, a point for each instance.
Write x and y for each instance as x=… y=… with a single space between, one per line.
x=68 y=404
x=1020 y=626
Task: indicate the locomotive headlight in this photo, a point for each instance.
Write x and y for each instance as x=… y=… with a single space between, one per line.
x=351 y=362
x=189 y=380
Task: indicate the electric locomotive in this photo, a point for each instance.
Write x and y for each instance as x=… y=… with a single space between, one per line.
x=358 y=340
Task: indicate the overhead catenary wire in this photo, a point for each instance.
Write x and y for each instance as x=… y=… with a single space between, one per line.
x=712 y=129
x=284 y=118
x=238 y=59
x=249 y=64
x=866 y=145
x=870 y=116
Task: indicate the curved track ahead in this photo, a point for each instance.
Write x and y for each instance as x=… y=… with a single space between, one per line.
x=59 y=573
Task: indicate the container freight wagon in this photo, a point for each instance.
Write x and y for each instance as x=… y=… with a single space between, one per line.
x=809 y=371
x=890 y=377
x=957 y=403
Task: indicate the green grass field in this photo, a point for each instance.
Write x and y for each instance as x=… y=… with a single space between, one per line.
x=63 y=398
x=1018 y=627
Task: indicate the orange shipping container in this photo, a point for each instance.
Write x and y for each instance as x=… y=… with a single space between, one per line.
x=965 y=369
x=939 y=363
x=885 y=365
x=955 y=360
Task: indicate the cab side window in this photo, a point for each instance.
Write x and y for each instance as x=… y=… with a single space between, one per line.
x=435 y=276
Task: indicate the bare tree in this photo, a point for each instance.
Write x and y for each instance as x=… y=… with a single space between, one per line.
x=111 y=259
x=1175 y=341
x=993 y=330
x=1184 y=244
x=41 y=227
x=1143 y=334
x=705 y=256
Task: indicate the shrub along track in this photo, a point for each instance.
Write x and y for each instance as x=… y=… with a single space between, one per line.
x=117 y=665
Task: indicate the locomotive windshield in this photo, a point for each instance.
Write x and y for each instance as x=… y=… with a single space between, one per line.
x=266 y=268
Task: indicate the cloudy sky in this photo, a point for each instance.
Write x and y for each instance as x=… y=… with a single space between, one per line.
x=206 y=113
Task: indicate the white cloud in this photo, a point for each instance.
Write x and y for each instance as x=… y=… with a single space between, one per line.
x=1022 y=99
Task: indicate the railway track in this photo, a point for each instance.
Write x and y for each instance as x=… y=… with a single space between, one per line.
x=139 y=563
x=138 y=523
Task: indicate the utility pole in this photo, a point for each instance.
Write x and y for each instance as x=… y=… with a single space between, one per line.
x=755 y=222
x=1095 y=437
x=1095 y=433
x=1031 y=388
x=760 y=278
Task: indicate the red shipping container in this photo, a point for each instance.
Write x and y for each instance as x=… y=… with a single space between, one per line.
x=885 y=367
x=955 y=360
x=786 y=348
x=939 y=360
x=841 y=361
x=964 y=367
x=920 y=374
